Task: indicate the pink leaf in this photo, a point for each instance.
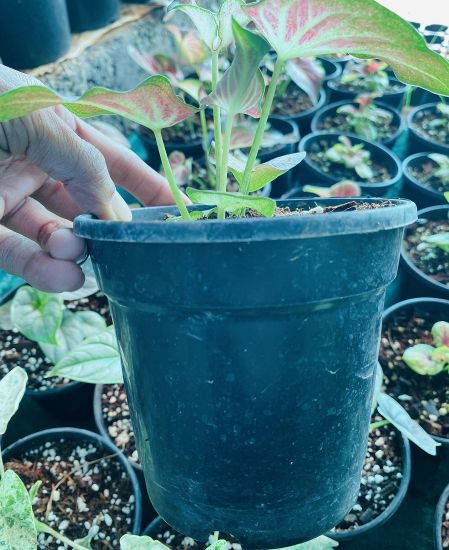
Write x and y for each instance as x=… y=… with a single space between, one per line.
x=307 y=74
x=297 y=28
x=191 y=49
x=344 y=188
x=156 y=64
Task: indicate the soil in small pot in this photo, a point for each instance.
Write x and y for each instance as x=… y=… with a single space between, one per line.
x=381 y=477
x=361 y=85
x=115 y=411
x=18 y=351
x=316 y=154
x=293 y=102
x=431 y=260
x=424 y=124
x=426 y=398
x=341 y=121
x=175 y=540
x=82 y=486
x=424 y=173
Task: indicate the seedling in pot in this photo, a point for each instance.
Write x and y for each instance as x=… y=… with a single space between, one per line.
x=368 y=76
x=429 y=360
x=366 y=119
x=355 y=157
x=442 y=170
x=280 y=26
x=344 y=188
x=442 y=120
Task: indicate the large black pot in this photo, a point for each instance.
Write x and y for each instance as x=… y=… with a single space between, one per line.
x=418 y=141
x=309 y=173
x=85 y=15
x=416 y=191
x=392 y=98
x=249 y=349
x=440 y=516
x=303 y=119
x=330 y=110
x=33 y=33
x=413 y=281
x=366 y=529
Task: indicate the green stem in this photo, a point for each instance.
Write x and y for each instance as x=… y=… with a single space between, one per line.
x=206 y=147
x=2 y=468
x=408 y=96
x=43 y=528
x=379 y=424
x=217 y=118
x=225 y=153
x=170 y=177
x=268 y=102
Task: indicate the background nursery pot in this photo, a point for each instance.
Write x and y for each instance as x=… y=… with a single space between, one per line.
x=310 y=173
x=303 y=119
x=85 y=15
x=440 y=514
x=393 y=98
x=422 y=195
x=33 y=33
x=418 y=141
x=214 y=438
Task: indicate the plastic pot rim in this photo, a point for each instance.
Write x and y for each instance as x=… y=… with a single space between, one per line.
x=439 y=513
x=393 y=79
x=411 y=116
x=405 y=166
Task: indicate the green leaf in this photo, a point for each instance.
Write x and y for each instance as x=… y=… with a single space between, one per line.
x=320 y=543
x=37 y=315
x=35 y=490
x=230 y=10
x=5 y=316
x=205 y=21
x=360 y=27
x=446 y=196
x=17 y=528
x=419 y=359
x=378 y=381
x=440 y=333
x=399 y=417
x=231 y=202
x=95 y=361
x=74 y=329
x=262 y=174
x=441 y=355
x=12 y=388
x=241 y=88
x=86 y=542
x=219 y=544
x=89 y=287
x=134 y=542
x=153 y=103
x=440 y=240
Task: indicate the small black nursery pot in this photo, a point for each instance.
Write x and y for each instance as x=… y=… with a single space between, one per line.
x=221 y=434
x=422 y=135
x=425 y=273
x=309 y=172
x=304 y=118
x=322 y=121
x=415 y=24
x=394 y=97
x=434 y=37
x=85 y=15
x=441 y=532
x=33 y=33
x=332 y=69
x=436 y=27
x=414 y=168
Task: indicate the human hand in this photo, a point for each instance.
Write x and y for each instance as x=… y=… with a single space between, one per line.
x=53 y=167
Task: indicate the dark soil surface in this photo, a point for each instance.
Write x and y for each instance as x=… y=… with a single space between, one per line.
x=361 y=85
x=293 y=102
x=82 y=486
x=342 y=123
x=115 y=409
x=17 y=351
x=316 y=155
x=426 y=398
x=177 y=541
x=433 y=261
x=445 y=527
x=424 y=174
x=381 y=477
x=424 y=124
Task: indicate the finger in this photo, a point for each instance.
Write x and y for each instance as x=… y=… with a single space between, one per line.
x=54 y=195
x=128 y=170
x=53 y=233
x=20 y=256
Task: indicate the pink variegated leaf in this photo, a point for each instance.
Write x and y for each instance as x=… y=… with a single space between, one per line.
x=205 y=21
x=344 y=188
x=181 y=167
x=156 y=64
x=191 y=49
x=229 y=10
x=307 y=74
x=243 y=136
x=440 y=333
x=241 y=88
x=152 y=103
x=297 y=28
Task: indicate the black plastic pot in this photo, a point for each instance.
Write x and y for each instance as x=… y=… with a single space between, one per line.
x=339 y=60
x=436 y=27
x=329 y=110
x=76 y=434
x=415 y=24
x=85 y=15
x=310 y=173
x=227 y=442
x=416 y=191
x=392 y=98
x=332 y=68
x=440 y=516
x=434 y=37
x=414 y=282
x=33 y=33
x=418 y=142
x=431 y=305
x=303 y=119
x=393 y=507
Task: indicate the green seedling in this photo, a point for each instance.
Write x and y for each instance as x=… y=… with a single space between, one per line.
x=354 y=157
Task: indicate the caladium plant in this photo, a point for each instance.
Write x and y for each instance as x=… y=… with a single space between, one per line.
x=429 y=360
x=365 y=118
x=354 y=157
x=442 y=118
x=345 y=188
x=442 y=170
x=292 y=29
x=370 y=76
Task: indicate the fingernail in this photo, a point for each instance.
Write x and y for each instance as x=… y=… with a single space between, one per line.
x=64 y=245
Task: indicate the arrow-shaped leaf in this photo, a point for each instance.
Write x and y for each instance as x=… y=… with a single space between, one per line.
x=153 y=103
x=12 y=388
x=307 y=74
x=298 y=28
x=231 y=202
x=134 y=542
x=241 y=88
x=205 y=21
x=155 y=64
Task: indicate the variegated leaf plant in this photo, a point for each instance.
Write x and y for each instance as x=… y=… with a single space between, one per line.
x=292 y=29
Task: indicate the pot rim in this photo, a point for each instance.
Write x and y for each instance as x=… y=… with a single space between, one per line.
x=439 y=512
x=79 y=434
x=423 y=138
x=149 y=225
x=332 y=85
x=405 y=166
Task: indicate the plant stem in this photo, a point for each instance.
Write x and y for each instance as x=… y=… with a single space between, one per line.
x=217 y=118
x=170 y=177
x=225 y=153
x=268 y=102
x=206 y=147
x=2 y=468
x=43 y=528
x=379 y=424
